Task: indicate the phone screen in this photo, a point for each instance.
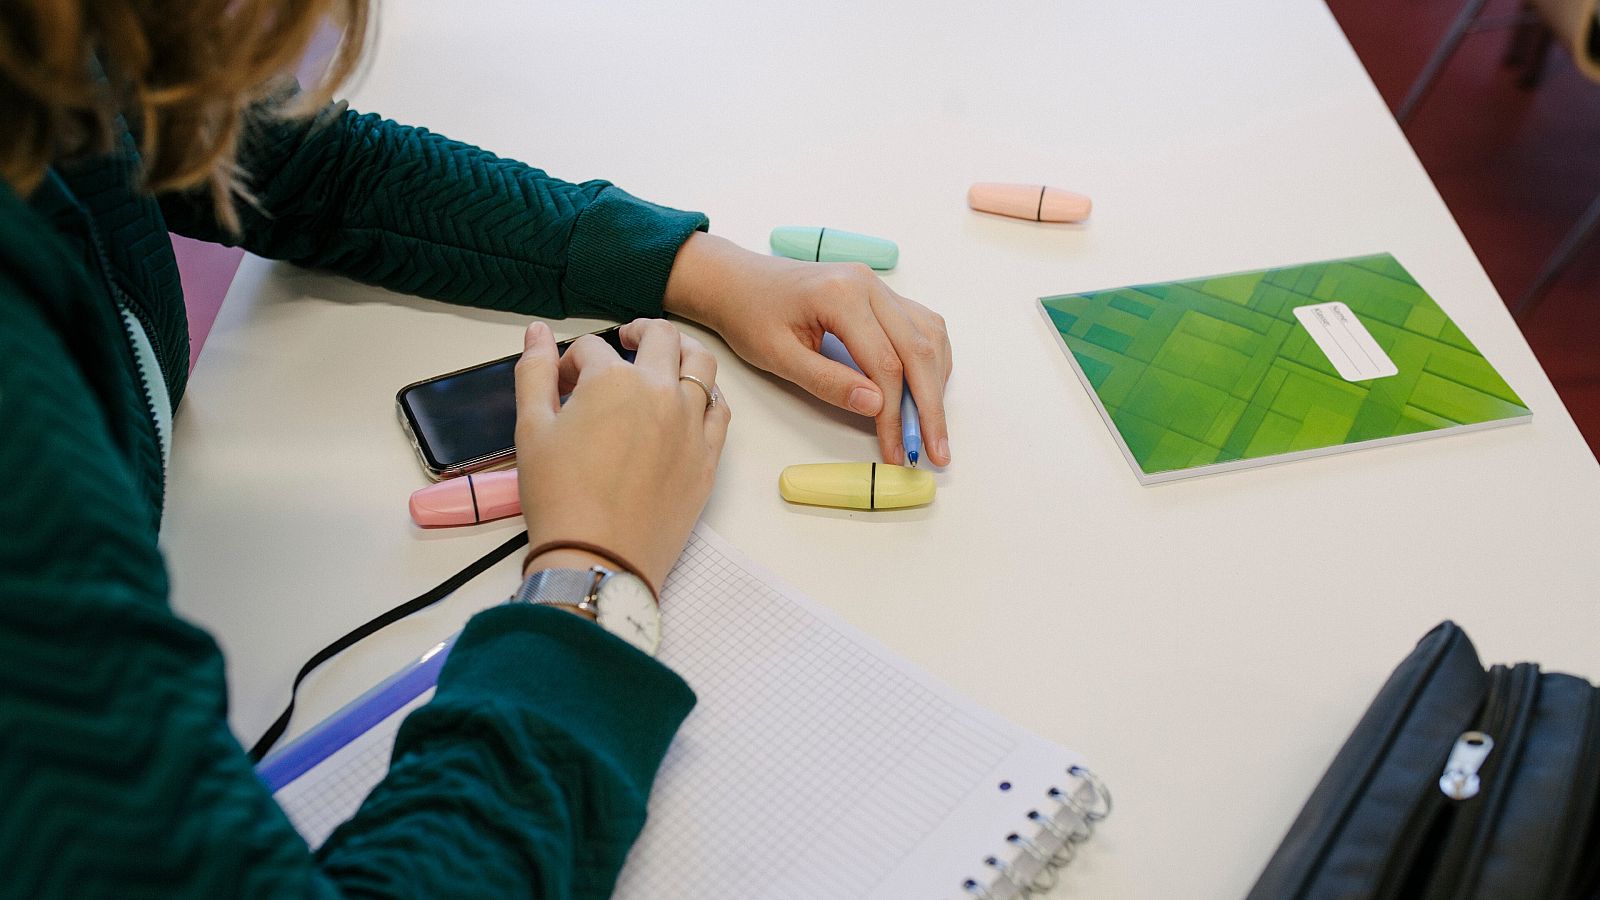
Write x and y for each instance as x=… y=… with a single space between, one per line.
x=466 y=420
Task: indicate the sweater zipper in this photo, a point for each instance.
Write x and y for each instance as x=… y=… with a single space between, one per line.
x=124 y=302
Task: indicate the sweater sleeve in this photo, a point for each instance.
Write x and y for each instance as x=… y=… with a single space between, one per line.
x=415 y=212
x=530 y=767
x=122 y=778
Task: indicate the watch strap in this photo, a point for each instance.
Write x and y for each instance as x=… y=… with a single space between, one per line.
x=563 y=587
x=621 y=564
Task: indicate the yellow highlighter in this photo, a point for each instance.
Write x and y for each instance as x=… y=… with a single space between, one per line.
x=856 y=485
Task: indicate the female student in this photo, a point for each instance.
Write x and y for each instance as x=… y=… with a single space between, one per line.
x=527 y=774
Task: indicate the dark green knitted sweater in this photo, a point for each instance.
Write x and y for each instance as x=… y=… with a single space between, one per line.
x=119 y=776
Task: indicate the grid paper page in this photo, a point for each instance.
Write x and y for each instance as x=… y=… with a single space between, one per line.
x=816 y=763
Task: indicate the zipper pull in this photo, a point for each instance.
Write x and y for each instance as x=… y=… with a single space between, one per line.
x=1460 y=778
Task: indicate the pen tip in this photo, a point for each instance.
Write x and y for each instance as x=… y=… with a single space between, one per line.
x=912 y=455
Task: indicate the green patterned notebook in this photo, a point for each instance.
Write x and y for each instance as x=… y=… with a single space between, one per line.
x=1262 y=367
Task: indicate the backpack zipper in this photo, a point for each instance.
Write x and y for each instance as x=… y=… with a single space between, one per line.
x=1408 y=871
x=1460 y=855
x=1460 y=780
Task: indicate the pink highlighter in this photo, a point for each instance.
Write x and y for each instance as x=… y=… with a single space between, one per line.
x=1034 y=202
x=467 y=500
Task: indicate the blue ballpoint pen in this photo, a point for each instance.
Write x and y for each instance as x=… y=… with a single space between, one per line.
x=910 y=425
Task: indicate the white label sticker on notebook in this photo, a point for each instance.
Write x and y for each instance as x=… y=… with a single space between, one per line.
x=1345 y=341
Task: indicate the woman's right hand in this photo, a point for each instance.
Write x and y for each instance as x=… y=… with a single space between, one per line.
x=628 y=462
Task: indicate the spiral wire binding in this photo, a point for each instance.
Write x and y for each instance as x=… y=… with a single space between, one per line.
x=1067 y=838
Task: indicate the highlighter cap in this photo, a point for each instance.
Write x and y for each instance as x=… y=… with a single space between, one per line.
x=814 y=244
x=446 y=503
x=856 y=485
x=1034 y=202
x=468 y=500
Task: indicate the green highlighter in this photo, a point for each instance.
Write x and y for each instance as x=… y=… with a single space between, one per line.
x=814 y=244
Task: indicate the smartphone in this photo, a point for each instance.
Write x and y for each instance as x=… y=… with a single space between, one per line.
x=465 y=421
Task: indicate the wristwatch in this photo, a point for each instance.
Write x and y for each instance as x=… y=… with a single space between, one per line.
x=621 y=602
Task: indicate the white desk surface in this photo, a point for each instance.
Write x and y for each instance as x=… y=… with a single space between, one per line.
x=1207 y=644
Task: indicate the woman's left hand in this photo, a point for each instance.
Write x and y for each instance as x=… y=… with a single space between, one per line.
x=773 y=312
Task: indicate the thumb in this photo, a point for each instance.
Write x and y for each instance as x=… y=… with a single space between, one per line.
x=830 y=381
x=537 y=374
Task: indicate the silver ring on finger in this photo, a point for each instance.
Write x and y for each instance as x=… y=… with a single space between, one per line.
x=711 y=393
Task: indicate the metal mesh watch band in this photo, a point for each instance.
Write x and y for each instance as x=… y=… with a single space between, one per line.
x=619 y=564
x=564 y=587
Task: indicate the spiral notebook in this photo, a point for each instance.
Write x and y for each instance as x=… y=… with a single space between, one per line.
x=816 y=763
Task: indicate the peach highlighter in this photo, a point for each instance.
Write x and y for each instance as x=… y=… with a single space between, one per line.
x=1034 y=202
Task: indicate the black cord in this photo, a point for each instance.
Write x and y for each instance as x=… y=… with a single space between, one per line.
x=443 y=590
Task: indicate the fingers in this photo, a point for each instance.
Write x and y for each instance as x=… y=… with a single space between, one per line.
x=658 y=343
x=923 y=348
x=872 y=350
x=827 y=379
x=663 y=352
x=588 y=355
x=699 y=362
x=537 y=375
x=717 y=420
x=897 y=345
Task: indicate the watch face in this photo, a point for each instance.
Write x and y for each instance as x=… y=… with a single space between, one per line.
x=628 y=610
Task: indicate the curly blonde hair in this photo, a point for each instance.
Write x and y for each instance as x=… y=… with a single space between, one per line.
x=183 y=73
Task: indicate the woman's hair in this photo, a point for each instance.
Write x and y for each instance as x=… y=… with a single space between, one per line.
x=183 y=73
